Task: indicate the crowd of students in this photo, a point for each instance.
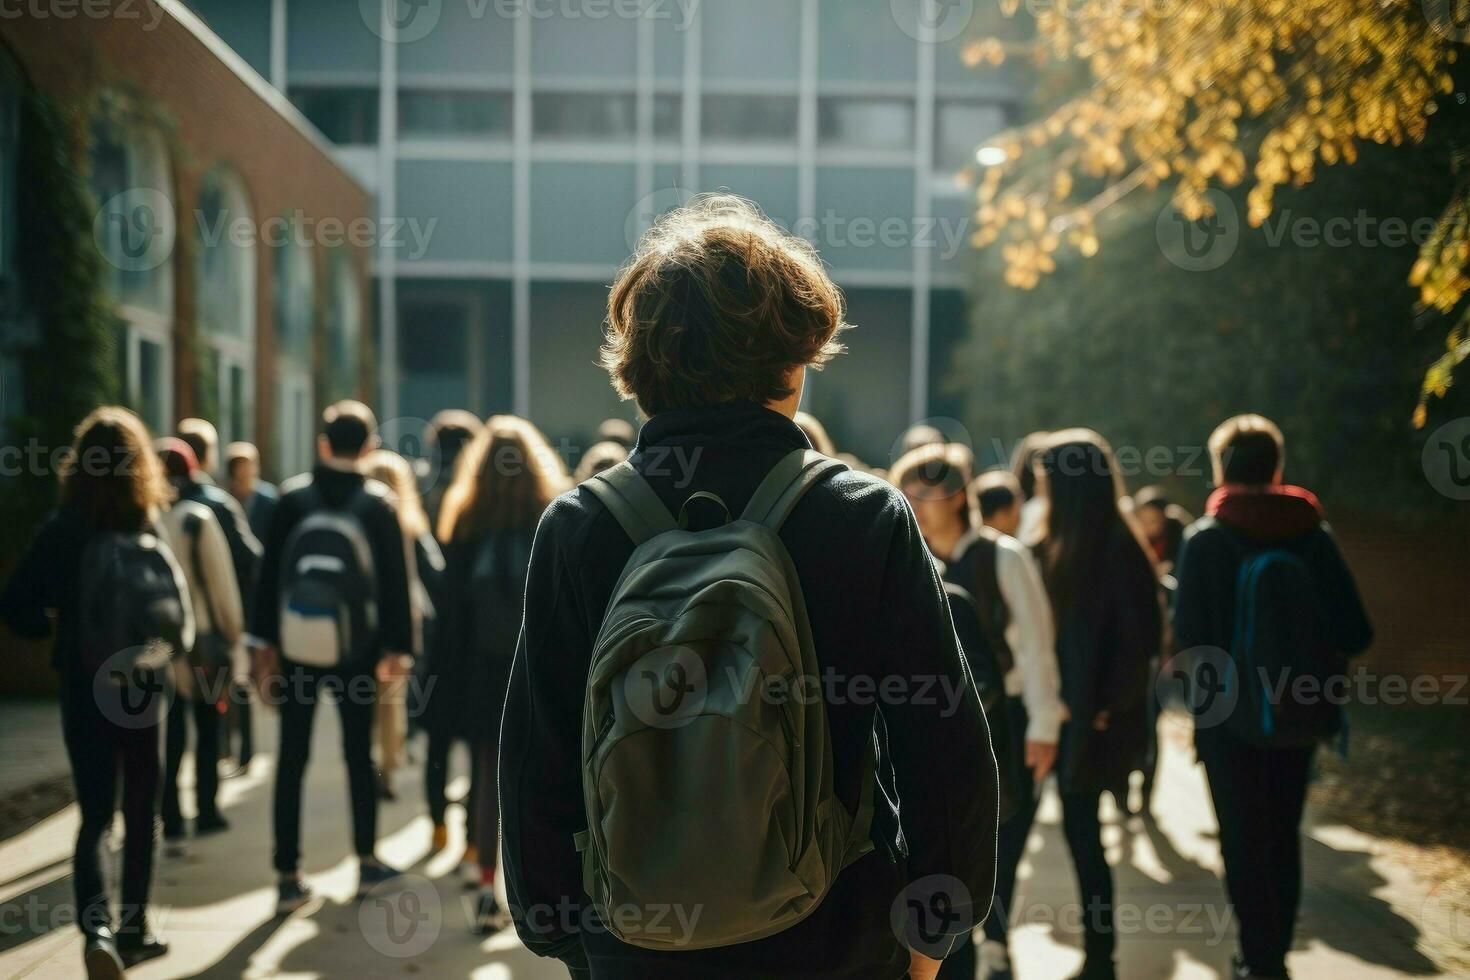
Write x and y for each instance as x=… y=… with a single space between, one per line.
x=724 y=539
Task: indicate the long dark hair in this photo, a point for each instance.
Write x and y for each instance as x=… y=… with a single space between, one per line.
x=503 y=480
x=1085 y=527
x=1023 y=462
x=112 y=477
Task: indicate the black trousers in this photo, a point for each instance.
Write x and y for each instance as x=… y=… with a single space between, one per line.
x=105 y=747
x=206 y=720
x=1259 y=794
x=436 y=778
x=297 y=693
x=1011 y=839
x=1083 y=830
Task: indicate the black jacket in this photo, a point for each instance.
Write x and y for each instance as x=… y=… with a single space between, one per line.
x=380 y=522
x=46 y=583
x=877 y=610
x=1239 y=519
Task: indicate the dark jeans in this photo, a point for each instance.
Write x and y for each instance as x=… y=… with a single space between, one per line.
x=1011 y=839
x=1083 y=830
x=99 y=749
x=484 y=811
x=1259 y=794
x=436 y=778
x=206 y=721
x=300 y=691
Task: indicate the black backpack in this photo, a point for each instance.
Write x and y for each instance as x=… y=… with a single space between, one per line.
x=1281 y=664
x=328 y=593
x=990 y=604
x=134 y=617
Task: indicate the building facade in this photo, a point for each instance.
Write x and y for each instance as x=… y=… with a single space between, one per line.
x=517 y=147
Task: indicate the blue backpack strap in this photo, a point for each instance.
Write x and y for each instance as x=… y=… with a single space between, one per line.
x=625 y=493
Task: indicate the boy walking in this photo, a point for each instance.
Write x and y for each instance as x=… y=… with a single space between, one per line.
x=712 y=326
x=331 y=616
x=1264 y=599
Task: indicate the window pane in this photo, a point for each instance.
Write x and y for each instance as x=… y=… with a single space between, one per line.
x=235 y=417
x=451 y=115
x=583 y=115
x=668 y=112
x=346 y=116
x=295 y=301
x=960 y=127
x=151 y=385
x=878 y=124
x=749 y=118
x=750 y=39
x=225 y=259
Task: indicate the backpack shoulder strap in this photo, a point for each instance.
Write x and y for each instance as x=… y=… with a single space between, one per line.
x=625 y=493
x=793 y=476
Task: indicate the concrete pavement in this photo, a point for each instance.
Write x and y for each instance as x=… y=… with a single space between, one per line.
x=1365 y=915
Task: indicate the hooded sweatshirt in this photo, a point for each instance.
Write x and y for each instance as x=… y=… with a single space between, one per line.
x=1239 y=521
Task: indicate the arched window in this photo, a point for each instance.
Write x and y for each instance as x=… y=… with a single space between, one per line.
x=134 y=230
x=295 y=315
x=224 y=301
x=344 y=329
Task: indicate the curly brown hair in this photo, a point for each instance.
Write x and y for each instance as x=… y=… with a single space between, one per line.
x=111 y=475
x=503 y=480
x=718 y=304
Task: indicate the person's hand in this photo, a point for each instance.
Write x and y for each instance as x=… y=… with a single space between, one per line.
x=394 y=666
x=1100 y=721
x=1040 y=757
x=265 y=664
x=922 y=967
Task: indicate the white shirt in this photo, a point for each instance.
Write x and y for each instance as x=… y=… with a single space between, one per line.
x=1031 y=635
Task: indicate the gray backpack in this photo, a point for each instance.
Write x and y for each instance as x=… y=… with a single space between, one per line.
x=707 y=758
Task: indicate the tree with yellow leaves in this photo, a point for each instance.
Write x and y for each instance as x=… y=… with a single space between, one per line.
x=1194 y=95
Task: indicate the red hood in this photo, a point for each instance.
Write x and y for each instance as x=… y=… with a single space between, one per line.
x=1275 y=513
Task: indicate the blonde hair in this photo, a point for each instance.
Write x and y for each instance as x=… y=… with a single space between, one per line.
x=395 y=472
x=504 y=479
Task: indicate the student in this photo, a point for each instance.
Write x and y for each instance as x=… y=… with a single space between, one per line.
x=112 y=493
x=242 y=480
x=507 y=478
x=245 y=547
x=998 y=500
x=1163 y=523
x=816 y=433
x=1258 y=777
x=1014 y=617
x=446 y=435
x=620 y=431
x=1105 y=601
x=331 y=522
x=711 y=328
x=1024 y=460
x=204 y=555
x=423 y=562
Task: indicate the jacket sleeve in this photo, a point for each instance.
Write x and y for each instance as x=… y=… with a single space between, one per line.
x=1352 y=632
x=540 y=755
x=948 y=813
x=31 y=591
x=217 y=571
x=245 y=548
x=264 y=613
x=394 y=584
x=1035 y=643
x=1191 y=613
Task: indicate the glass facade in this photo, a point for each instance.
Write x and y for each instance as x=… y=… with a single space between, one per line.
x=537 y=140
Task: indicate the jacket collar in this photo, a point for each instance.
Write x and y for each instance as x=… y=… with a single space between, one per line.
x=731 y=423
x=1269 y=513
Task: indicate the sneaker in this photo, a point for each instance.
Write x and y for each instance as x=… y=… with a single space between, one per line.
x=1240 y=971
x=372 y=873
x=140 y=946
x=489 y=916
x=99 y=955
x=439 y=839
x=469 y=868
x=995 y=960
x=292 y=894
x=211 y=824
